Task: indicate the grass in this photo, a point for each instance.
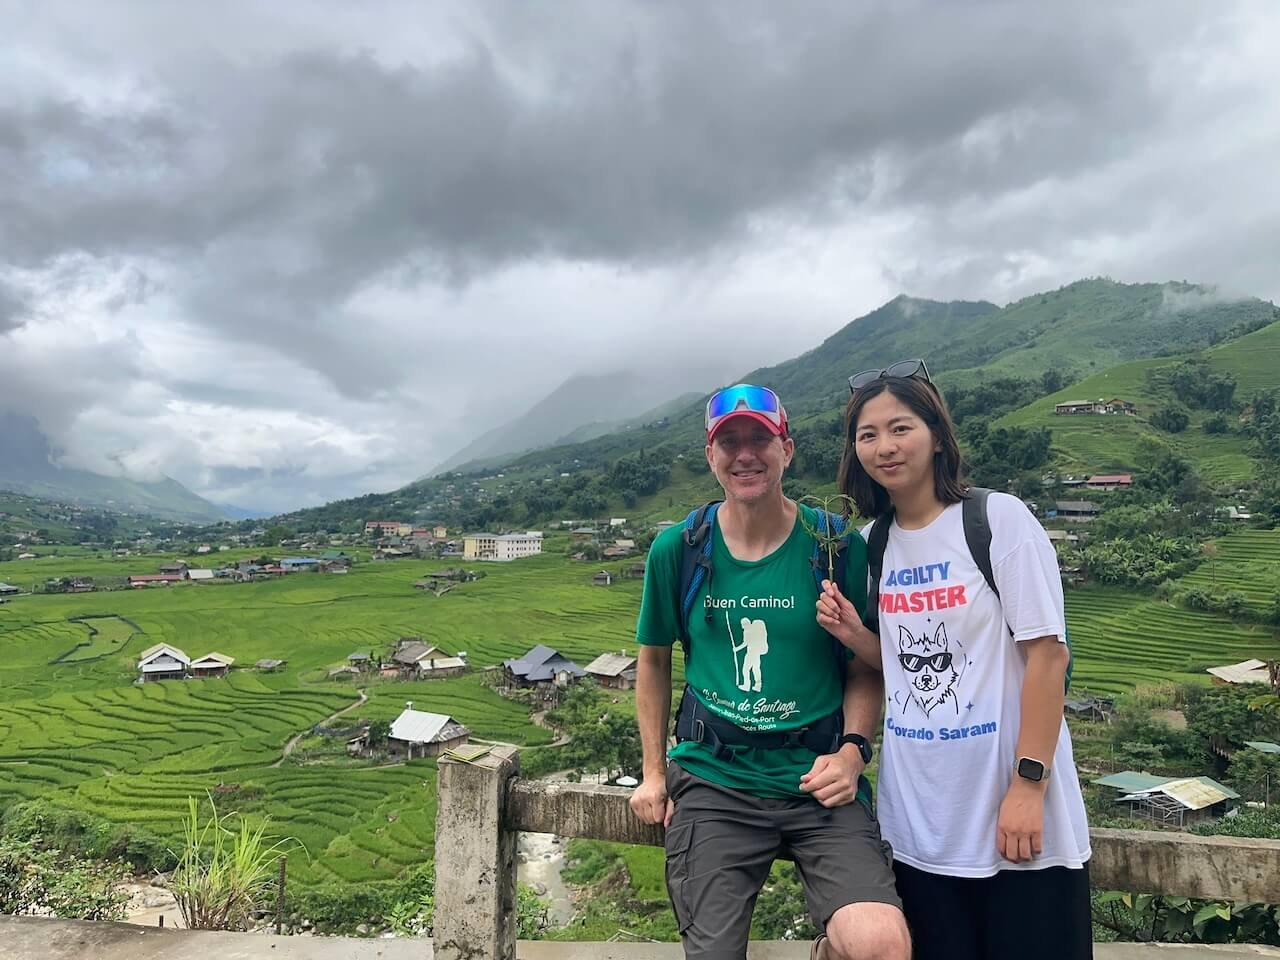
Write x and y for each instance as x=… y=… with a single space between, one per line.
x=1247 y=562
x=1121 y=640
x=1098 y=444
x=81 y=733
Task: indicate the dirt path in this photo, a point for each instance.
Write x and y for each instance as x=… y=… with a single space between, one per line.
x=540 y=720
x=293 y=741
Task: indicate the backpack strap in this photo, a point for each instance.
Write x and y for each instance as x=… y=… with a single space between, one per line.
x=877 y=541
x=977 y=532
x=695 y=563
x=977 y=535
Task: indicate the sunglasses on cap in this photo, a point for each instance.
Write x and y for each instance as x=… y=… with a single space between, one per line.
x=760 y=403
x=903 y=369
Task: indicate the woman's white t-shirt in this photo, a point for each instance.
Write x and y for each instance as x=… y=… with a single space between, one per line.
x=953 y=685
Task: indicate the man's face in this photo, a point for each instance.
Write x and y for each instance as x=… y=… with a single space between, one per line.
x=748 y=459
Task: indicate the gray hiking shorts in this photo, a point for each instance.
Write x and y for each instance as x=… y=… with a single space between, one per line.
x=720 y=846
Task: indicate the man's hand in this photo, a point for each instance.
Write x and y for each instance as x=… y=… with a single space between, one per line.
x=650 y=803
x=837 y=616
x=1020 y=828
x=833 y=778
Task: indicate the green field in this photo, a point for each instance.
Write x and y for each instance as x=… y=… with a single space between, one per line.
x=75 y=727
x=79 y=731
x=1121 y=640
x=1247 y=562
x=1098 y=444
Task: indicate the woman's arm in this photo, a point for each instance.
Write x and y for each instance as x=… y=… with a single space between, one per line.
x=1020 y=827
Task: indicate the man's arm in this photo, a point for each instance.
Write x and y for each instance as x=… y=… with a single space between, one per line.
x=1020 y=828
x=653 y=714
x=833 y=778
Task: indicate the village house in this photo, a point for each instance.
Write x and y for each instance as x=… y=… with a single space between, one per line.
x=602 y=579
x=614 y=670
x=663 y=525
x=416 y=733
x=8 y=590
x=299 y=564
x=582 y=534
x=542 y=667
x=1099 y=406
x=1247 y=671
x=442 y=665
x=178 y=569
x=154 y=579
x=636 y=571
x=360 y=660
x=211 y=665
x=80 y=585
x=269 y=666
x=1090 y=708
x=162 y=662
x=200 y=576
x=408 y=651
x=1170 y=801
x=1110 y=481
x=336 y=558
x=1082 y=511
x=507 y=546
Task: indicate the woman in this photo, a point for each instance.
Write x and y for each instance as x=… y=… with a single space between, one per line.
x=978 y=790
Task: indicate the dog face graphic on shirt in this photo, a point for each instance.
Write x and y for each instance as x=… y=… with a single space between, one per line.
x=929 y=668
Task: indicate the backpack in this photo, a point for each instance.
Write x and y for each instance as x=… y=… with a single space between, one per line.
x=695 y=563
x=977 y=535
x=693 y=721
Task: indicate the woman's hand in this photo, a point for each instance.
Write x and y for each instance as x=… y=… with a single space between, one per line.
x=1020 y=828
x=837 y=616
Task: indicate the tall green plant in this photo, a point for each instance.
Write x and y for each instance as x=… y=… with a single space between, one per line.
x=224 y=874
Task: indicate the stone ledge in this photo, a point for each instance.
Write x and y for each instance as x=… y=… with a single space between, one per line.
x=38 y=938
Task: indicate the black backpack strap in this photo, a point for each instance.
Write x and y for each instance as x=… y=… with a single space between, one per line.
x=695 y=563
x=877 y=542
x=977 y=532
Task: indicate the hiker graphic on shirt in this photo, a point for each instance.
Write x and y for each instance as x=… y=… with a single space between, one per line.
x=755 y=641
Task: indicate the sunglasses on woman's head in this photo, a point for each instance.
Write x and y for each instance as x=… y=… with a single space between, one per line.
x=903 y=369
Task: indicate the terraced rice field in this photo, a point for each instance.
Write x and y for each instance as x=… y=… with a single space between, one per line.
x=1247 y=562
x=104 y=635
x=81 y=732
x=1121 y=640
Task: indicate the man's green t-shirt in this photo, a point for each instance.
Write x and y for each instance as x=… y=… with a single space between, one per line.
x=761 y=661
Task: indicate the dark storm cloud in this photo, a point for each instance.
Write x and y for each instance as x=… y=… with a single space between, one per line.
x=322 y=171
x=386 y=196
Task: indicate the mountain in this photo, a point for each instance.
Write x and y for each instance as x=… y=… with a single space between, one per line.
x=27 y=466
x=580 y=409
x=1080 y=329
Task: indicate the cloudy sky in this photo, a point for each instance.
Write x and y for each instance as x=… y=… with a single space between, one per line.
x=287 y=252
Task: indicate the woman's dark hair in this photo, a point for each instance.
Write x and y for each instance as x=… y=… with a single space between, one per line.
x=924 y=400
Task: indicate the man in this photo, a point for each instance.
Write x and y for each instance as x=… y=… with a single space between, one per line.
x=762 y=771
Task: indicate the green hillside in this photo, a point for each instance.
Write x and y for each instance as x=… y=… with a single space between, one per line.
x=1246 y=562
x=1105 y=443
x=1091 y=325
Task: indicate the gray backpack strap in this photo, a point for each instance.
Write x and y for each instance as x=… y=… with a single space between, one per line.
x=977 y=533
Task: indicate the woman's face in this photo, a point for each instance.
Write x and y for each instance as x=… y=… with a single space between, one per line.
x=894 y=445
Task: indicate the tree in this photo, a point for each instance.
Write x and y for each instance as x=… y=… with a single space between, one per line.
x=1256 y=775
x=1171 y=418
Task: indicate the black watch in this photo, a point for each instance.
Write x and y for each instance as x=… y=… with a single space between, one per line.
x=859 y=741
x=1028 y=768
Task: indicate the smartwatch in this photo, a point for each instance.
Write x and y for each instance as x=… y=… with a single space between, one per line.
x=859 y=741
x=1030 y=769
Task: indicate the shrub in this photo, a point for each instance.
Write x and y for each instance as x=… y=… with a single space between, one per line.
x=223 y=875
